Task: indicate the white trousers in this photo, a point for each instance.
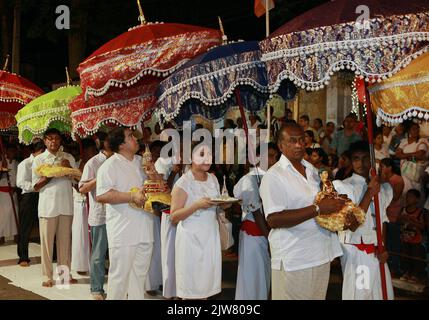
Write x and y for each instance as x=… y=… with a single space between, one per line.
x=168 y=240
x=80 y=237
x=127 y=271
x=254 y=268
x=361 y=275
x=154 y=276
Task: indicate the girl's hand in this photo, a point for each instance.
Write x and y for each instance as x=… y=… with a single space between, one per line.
x=204 y=203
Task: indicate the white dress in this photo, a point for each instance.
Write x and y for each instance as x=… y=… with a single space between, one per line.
x=198 y=252
x=7 y=220
x=254 y=263
x=154 y=275
x=80 y=234
x=422 y=144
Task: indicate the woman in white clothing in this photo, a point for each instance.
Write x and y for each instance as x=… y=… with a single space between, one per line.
x=413 y=149
x=198 y=251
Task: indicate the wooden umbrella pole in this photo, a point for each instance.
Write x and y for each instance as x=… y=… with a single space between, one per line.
x=3 y=152
x=69 y=82
x=379 y=227
x=6 y=63
x=141 y=17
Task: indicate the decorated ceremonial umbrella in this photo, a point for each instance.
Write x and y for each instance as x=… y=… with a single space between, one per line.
x=48 y=111
x=119 y=79
x=15 y=92
x=403 y=96
x=208 y=85
x=332 y=37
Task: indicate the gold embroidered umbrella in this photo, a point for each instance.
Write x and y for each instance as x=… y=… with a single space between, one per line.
x=403 y=96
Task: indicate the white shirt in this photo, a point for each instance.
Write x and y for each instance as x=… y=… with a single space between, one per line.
x=421 y=144
x=164 y=166
x=56 y=197
x=355 y=188
x=247 y=190
x=305 y=245
x=97 y=211
x=24 y=175
x=382 y=153
x=126 y=226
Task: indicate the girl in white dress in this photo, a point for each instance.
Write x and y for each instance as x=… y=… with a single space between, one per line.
x=198 y=251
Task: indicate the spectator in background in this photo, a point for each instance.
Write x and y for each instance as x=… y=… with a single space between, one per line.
x=310 y=140
x=320 y=131
x=8 y=226
x=28 y=204
x=412 y=151
x=387 y=134
x=397 y=137
x=147 y=133
x=389 y=173
x=304 y=122
x=344 y=138
x=345 y=168
x=254 y=121
x=326 y=140
x=319 y=159
x=412 y=226
x=381 y=149
x=156 y=134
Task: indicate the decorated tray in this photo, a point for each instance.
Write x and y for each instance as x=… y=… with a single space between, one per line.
x=52 y=171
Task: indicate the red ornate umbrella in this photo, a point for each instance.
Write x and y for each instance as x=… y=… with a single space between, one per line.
x=120 y=78
x=15 y=92
x=120 y=106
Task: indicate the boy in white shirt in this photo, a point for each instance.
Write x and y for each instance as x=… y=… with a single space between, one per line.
x=362 y=255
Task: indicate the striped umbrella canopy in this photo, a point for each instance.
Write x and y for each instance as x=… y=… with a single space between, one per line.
x=403 y=96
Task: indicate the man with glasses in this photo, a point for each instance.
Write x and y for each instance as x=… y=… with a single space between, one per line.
x=55 y=209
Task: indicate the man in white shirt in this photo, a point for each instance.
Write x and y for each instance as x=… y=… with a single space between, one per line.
x=129 y=230
x=55 y=209
x=362 y=255
x=301 y=251
x=96 y=219
x=28 y=204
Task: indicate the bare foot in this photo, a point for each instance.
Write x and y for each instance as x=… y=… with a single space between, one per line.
x=48 y=284
x=97 y=296
x=24 y=264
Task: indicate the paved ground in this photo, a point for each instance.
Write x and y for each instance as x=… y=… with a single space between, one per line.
x=15 y=273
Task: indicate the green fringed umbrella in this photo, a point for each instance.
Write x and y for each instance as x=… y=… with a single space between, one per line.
x=48 y=111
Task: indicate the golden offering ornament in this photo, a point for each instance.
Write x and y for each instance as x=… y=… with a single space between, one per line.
x=337 y=221
x=53 y=171
x=154 y=187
